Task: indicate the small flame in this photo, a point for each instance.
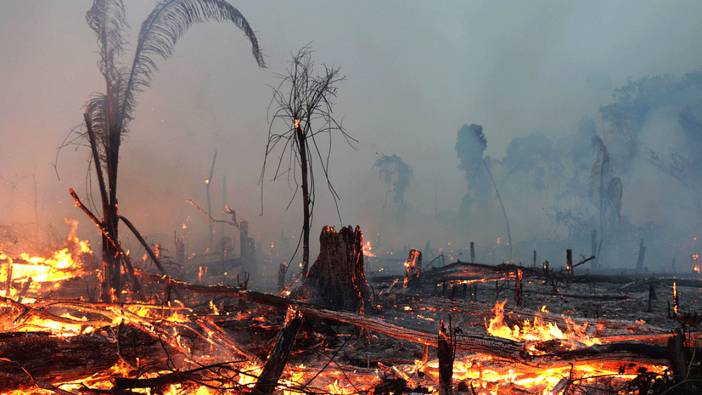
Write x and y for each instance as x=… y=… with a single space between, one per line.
x=368 y=249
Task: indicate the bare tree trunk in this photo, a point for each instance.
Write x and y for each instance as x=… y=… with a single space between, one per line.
x=110 y=280
x=502 y=206
x=209 y=202
x=641 y=257
x=110 y=256
x=302 y=148
x=518 y=286
x=445 y=351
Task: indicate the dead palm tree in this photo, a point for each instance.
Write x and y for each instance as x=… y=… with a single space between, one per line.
x=109 y=113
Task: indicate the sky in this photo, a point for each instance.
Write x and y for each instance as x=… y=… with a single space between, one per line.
x=416 y=72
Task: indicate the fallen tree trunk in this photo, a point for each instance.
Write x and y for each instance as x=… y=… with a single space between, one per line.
x=278 y=357
x=31 y=358
x=468 y=343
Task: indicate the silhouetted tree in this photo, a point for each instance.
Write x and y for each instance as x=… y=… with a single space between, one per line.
x=302 y=111
x=470 y=149
x=395 y=173
x=109 y=113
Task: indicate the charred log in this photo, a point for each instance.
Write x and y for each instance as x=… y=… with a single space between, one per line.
x=278 y=357
x=27 y=359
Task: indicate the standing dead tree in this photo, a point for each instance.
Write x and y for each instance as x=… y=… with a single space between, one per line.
x=302 y=111
x=208 y=183
x=109 y=113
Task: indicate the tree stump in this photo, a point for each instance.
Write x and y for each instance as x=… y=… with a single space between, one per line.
x=337 y=279
x=413 y=269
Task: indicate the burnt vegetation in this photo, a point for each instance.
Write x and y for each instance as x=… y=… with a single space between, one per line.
x=531 y=314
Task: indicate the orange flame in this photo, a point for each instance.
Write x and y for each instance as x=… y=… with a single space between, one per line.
x=538 y=330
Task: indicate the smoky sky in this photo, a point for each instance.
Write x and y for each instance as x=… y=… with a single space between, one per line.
x=416 y=72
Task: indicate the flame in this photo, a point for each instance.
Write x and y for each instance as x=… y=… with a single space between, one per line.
x=538 y=330
x=27 y=274
x=177 y=324
x=368 y=249
x=489 y=376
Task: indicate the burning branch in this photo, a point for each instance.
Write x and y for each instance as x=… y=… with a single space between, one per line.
x=114 y=243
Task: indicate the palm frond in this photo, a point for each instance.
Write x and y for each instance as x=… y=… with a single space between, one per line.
x=108 y=19
x=96 y=109
x=161 y=30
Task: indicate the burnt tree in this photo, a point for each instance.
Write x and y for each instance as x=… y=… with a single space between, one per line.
x=302 y=106
x=337 y=279
x=108 y=114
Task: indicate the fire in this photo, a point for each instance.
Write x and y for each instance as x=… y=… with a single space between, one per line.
x=695 y=262
x=489 y=376
x=368 y=249
x=538 y=330
x=180 y=326
x=27 y=274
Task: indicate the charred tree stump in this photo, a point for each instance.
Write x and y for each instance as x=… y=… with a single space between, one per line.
x=569 y=261
x=676 y=351
x=337 y=279
x=445 y=354
x=533 y=261
x=413 y=269
x=282 y=271
x=518 y=288
x=247 y=247
x=278 y=357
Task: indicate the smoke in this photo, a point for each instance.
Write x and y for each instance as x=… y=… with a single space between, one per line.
x=541 y=96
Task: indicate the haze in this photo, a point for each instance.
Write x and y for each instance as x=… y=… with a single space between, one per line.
x=416 y=73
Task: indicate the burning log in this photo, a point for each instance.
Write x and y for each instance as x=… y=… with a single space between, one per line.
x=278 y=357
x=413 y=269
x=623 y=348
x=337 y=279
